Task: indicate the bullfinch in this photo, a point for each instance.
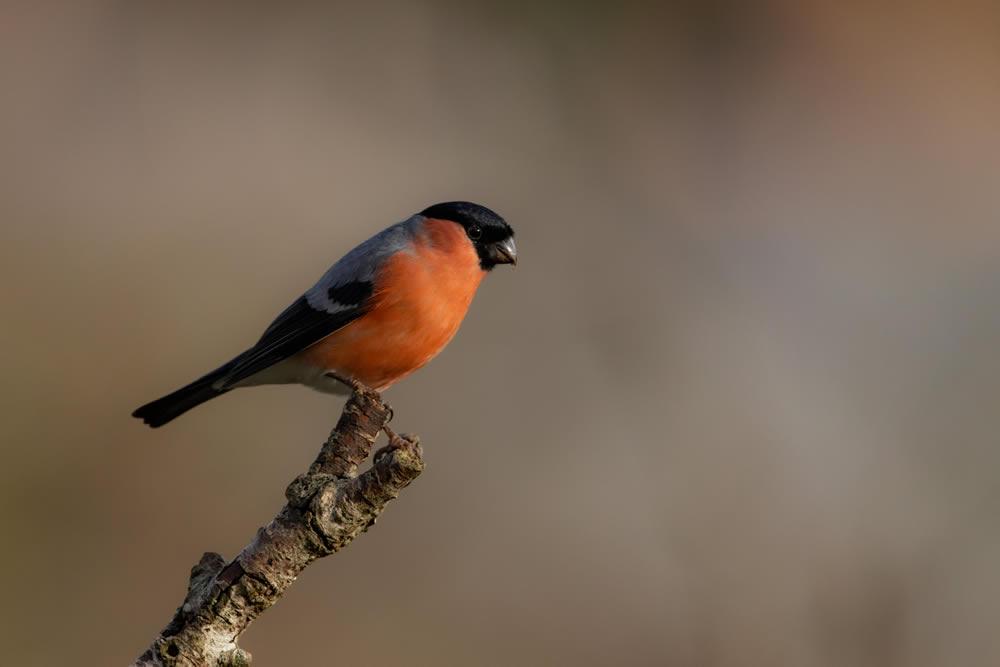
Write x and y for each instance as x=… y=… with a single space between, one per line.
x=380 y=313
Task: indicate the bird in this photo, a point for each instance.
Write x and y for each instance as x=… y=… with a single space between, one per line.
x=381 y=312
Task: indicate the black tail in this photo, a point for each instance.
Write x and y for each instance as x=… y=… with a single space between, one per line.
x=171 y=406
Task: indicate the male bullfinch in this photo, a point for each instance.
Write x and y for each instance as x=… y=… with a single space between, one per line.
x=380 y=313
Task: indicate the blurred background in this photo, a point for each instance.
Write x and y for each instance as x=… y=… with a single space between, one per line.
x=737 y=405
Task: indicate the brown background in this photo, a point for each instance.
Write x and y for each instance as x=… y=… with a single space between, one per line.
x=738 y=404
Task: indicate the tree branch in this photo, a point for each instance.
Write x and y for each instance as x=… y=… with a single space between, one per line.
x=327 y=508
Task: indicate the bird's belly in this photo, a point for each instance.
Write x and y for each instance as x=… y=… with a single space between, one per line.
x=380 y=355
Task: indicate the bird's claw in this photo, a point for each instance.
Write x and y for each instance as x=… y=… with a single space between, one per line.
x=351 y=383
x=397 y=442
x=355 y=385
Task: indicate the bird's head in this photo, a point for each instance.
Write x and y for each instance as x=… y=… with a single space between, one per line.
x=489 y=234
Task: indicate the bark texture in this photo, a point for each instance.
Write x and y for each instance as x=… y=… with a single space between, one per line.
x=327 y=508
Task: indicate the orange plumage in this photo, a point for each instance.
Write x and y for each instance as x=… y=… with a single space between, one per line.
x=420 y=299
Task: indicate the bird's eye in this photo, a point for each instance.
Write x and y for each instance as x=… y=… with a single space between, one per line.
x=475 y=232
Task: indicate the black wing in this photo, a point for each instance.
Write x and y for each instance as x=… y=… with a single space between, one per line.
x=299 y=326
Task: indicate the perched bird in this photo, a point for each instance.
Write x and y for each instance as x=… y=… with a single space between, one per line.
x=380 y=313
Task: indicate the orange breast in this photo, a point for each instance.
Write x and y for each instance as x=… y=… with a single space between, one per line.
x=420 y=299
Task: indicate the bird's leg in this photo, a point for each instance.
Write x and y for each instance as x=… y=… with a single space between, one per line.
x=353 y=384
x=359 y=386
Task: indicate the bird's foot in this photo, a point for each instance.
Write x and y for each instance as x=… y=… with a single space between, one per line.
x=353 y=384
x=396 y=441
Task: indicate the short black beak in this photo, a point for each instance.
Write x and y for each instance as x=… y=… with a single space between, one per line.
x=504 y=252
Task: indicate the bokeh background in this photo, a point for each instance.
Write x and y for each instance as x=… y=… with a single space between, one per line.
x=738 y=404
